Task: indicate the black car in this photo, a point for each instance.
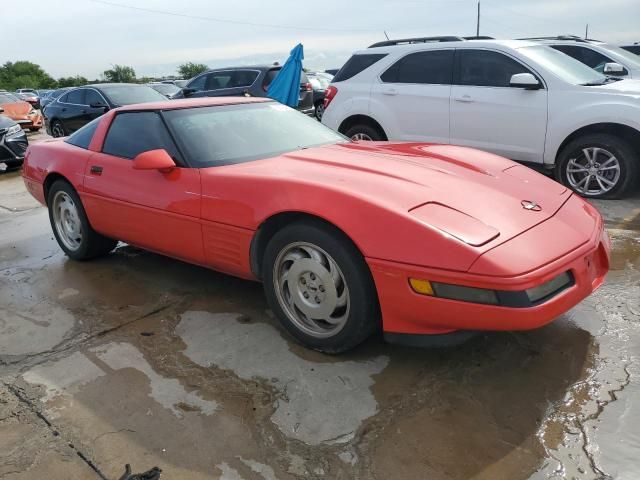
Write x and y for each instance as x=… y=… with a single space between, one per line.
x=13 y=143
x=79 y=106
x=238 y=81
x=320 y=82
x=635 y=48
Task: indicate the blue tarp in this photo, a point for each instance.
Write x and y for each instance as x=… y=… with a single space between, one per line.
x=285 y=88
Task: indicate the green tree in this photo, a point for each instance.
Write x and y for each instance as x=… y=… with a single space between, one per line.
x=120 y=74
x=190 y=69
x=72 y=81
x=23 y=74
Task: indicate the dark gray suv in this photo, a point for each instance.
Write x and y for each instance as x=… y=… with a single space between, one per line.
x=237 y=81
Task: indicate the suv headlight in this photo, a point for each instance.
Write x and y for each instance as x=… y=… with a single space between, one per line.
x=13 y=130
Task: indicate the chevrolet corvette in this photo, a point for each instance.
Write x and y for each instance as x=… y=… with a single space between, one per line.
x=418 y=240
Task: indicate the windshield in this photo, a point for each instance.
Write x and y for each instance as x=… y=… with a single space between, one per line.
x=130 y=94
x=567 y=68
x=630 y=59
x=165 y=88
x=6 y=97
x=222 y=135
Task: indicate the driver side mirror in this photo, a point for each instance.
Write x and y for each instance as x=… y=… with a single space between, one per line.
x=187 y=92
x=154 y=160
x=525 y=80
x=612 y=68
x=100 y=105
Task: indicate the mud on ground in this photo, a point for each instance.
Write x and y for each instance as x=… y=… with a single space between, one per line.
x=136 y=358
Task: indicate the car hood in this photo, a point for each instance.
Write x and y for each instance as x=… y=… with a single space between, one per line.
x=473 y=196
x=16 y=109
x=627 y=87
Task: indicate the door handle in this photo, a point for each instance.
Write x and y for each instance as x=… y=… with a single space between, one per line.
x=390 y=91
x=464 y=99
x=96 y=170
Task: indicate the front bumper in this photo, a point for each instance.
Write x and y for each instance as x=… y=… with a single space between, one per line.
x=407 y=312
x=12 y=149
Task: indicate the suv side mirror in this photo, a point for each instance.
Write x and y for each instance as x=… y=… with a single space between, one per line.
x=612 y=68
x=525 y=80
x=187 y=92
x=154 y=160
x=99 y=105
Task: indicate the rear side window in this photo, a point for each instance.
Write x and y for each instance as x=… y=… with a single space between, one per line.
x=269 y=76
x=76 y=96
x=137 y=132
x=356 y=64
x=434 y=67
x=485 y=68
x=82 y=137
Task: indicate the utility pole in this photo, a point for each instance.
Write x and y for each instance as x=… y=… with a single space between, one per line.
x=586 y=31
x=478 y=22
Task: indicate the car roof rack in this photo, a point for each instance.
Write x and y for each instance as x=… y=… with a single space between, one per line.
x=479 y=37
x=575 y=38
x=409 y=41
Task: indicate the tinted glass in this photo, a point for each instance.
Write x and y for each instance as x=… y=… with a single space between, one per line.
x=221 y=135
x=561 y=65
x=486 y=69
x=130 y=94
x=587 y=56
x=633 y=49
x=94 y=98
x=434 y=67
x=57 y=93
x=243 y=78
x=76 y=96
x=63 y=98
x=269 y=76
x=165 y=88
x=137 y=132
x=356 y=64
x=198 y=83
x=82 y=138
x=218 y=80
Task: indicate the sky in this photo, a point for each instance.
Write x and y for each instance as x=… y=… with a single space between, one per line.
x=85 y=37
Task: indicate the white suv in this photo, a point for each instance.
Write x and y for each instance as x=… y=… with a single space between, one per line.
x=518 y=99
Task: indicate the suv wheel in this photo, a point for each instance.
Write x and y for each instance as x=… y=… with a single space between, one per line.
x=320 y=287
x=598 y=166
x=57 y=129
x=362 y=131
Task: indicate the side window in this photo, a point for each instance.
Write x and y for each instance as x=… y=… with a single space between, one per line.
x=137 y=132
x=198 y=83
x=76 y=96
x=243 y=78
x=589 y=57
x=485 y=68
x=356 y=64
x=94 y=98
x=433 y=67
x=218 y=80
x=268 y=78
x=82 y=137
x=63 y=98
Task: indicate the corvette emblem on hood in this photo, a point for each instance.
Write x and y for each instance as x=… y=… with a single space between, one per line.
x=529 y=205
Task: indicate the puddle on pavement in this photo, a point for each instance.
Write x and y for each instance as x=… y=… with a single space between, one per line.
x=625 y=251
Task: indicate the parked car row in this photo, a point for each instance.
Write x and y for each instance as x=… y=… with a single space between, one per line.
x=531 y=101
x=20 y=111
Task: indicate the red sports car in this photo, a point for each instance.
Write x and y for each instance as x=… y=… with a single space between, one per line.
x=417 y=239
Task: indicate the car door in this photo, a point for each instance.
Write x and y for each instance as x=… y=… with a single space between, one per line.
x=487 y=113
x=73 y=110
x=152 y=209
x=413 y=96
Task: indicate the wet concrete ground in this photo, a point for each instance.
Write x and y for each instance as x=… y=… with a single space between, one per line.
x=136 y=358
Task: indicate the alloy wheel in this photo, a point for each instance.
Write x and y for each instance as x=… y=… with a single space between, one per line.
x=361 y=136
x=57 y=130
x=311 y=289
x=593 y=172
x=67 y=220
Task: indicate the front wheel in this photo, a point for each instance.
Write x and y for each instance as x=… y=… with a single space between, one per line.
x=598 y=166
x=57 y=129
x=71 y=226
x=319 y=110
x=365 y=132
x=319 y=286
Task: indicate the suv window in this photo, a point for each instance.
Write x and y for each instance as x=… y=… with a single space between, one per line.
x=76 y=96
x=137 y=132
x=485 y=68
x=93 y=98
x=589 y=57
x=434 y=67
x=82 y=137
x=356 y=64
x=198 y=83
x=633 y=49
x=269 y=76
x=218 y=80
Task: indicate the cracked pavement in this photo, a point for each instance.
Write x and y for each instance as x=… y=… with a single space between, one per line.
x=137 y=358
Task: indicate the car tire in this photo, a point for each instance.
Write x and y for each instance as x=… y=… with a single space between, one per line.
x=71 y=226
x=332 y=280
x=57 y=129
x=615 y=166
x=362 y=131
x=319 y=111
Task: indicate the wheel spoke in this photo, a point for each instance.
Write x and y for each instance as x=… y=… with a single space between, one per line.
x=605 y=180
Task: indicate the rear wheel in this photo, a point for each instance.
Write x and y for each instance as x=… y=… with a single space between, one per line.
x=362 y=131
x=319 y=110
x=57 y=129
x=71 y=226
x=598 y=166
x=319 y=286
